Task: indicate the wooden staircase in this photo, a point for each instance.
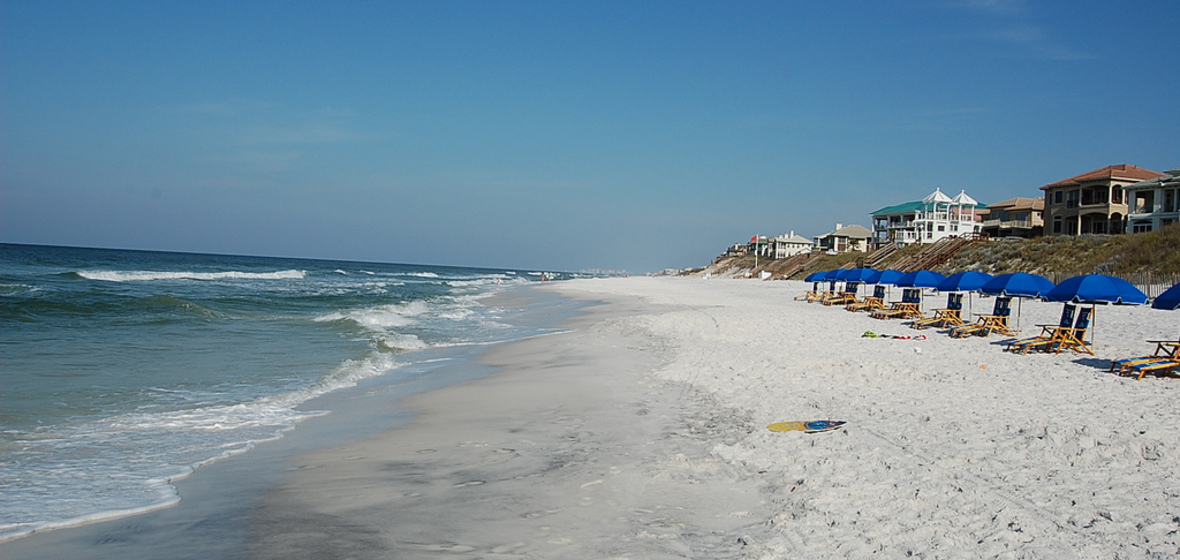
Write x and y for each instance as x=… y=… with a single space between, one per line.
x=883 y=252
x=937 y=254
x=798 y=263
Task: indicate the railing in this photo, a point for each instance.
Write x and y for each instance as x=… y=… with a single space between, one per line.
x=1008 y=224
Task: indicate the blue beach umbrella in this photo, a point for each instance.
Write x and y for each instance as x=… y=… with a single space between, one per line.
x=920 y=279
x=1168 y=300
x=815 y=276
x=888 y=277
x=969 y=281
x=856 y=274
x=833 y=274
x=1020 y=284
x=1097 y=288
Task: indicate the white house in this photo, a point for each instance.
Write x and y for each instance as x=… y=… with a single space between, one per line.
x=1153 y=203
x=844 y=239
x=789 y=245
x=928 y=220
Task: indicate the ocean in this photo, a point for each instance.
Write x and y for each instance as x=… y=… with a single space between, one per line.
x=124 y=371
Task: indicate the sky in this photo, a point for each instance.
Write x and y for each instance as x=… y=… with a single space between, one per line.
x=557 y=135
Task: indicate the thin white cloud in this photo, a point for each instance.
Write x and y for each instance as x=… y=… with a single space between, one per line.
x=1007 y=23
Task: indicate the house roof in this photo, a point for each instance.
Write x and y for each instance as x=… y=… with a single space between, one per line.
x=1170 y=180
x=1123 y=171
x=913 y=207
x=853 y=231
x=1020 y=203
x=793 y=238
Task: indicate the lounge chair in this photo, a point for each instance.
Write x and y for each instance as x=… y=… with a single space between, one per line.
x=1075 y=337
x=1050 y=335
x=1158 y=367
x=820 y=296
x=909 y=307
x=987 y=324
x=811 y=295
x=845 y=297
x=949 y=316
x=1166 y=352
x=870 y=303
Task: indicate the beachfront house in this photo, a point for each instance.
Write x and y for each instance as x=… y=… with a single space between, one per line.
x=844 y=239
x=928 y=220
x=1153 y=203
x=789 y=245
x=1093 y=202
x=1015 y=217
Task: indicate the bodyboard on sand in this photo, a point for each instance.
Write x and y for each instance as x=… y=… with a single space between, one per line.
x=810 y=426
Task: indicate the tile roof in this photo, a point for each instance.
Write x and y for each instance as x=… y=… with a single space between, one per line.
x=1121 y=171
x=1020 y=203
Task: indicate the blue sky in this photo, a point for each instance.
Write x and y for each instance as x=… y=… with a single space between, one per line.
x=554 y=135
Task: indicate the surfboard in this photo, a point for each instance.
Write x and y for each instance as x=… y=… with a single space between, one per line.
x=810 y=426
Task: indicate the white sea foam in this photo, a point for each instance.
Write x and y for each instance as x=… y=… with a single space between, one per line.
x=147 y=276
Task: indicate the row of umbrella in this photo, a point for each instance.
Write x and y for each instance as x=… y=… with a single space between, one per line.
x=1089 y=288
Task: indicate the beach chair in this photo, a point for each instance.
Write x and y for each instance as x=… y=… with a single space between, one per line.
x=1050 y=335
x=870 y=303
x=820 y=296
x=1165 y=351
x=1075 y=337
x=847 y=296
x=949 y=316
x=1159 y=367
x=811 y=295
x=987 y=324
x=909 y=306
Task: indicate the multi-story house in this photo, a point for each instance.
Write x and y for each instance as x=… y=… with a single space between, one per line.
x=788 y=245
x=1154 y=203
x=1015 y=217
x=1093 y=202
x=928 y=220
x=844 y=239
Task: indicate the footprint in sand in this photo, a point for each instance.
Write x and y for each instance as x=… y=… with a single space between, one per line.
x=470 y=483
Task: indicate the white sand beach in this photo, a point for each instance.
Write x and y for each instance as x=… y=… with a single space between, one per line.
x=641 y=433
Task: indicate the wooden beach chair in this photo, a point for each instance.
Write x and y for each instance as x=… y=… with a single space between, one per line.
x=1165 y=351
x=845 y=297
x=1159 y=367
x=984 y=325
x=1075 y=337
x=949 y=316
x=870 y=303
x=909 y=306
x=830 y=292
x=811 y=294
x=1050 y=334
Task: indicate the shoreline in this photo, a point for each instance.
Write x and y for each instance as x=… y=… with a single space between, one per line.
x=640 y=432
x=562 y=453
x=209 y=519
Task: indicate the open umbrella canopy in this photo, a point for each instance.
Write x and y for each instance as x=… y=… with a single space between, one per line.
x=920 y=279
x=969 y=281
x=815 y=276
x=833 y=274
x=884 y=277
x=1097 y=288
x=856 y=274
x=1169 y=300
x=1020 y=284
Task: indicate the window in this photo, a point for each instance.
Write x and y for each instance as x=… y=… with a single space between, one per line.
x=1057 y=196
x=1057 y=224
x=1140 y=227
x=1072 y=198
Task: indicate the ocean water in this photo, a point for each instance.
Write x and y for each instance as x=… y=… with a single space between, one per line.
x=122 y=371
